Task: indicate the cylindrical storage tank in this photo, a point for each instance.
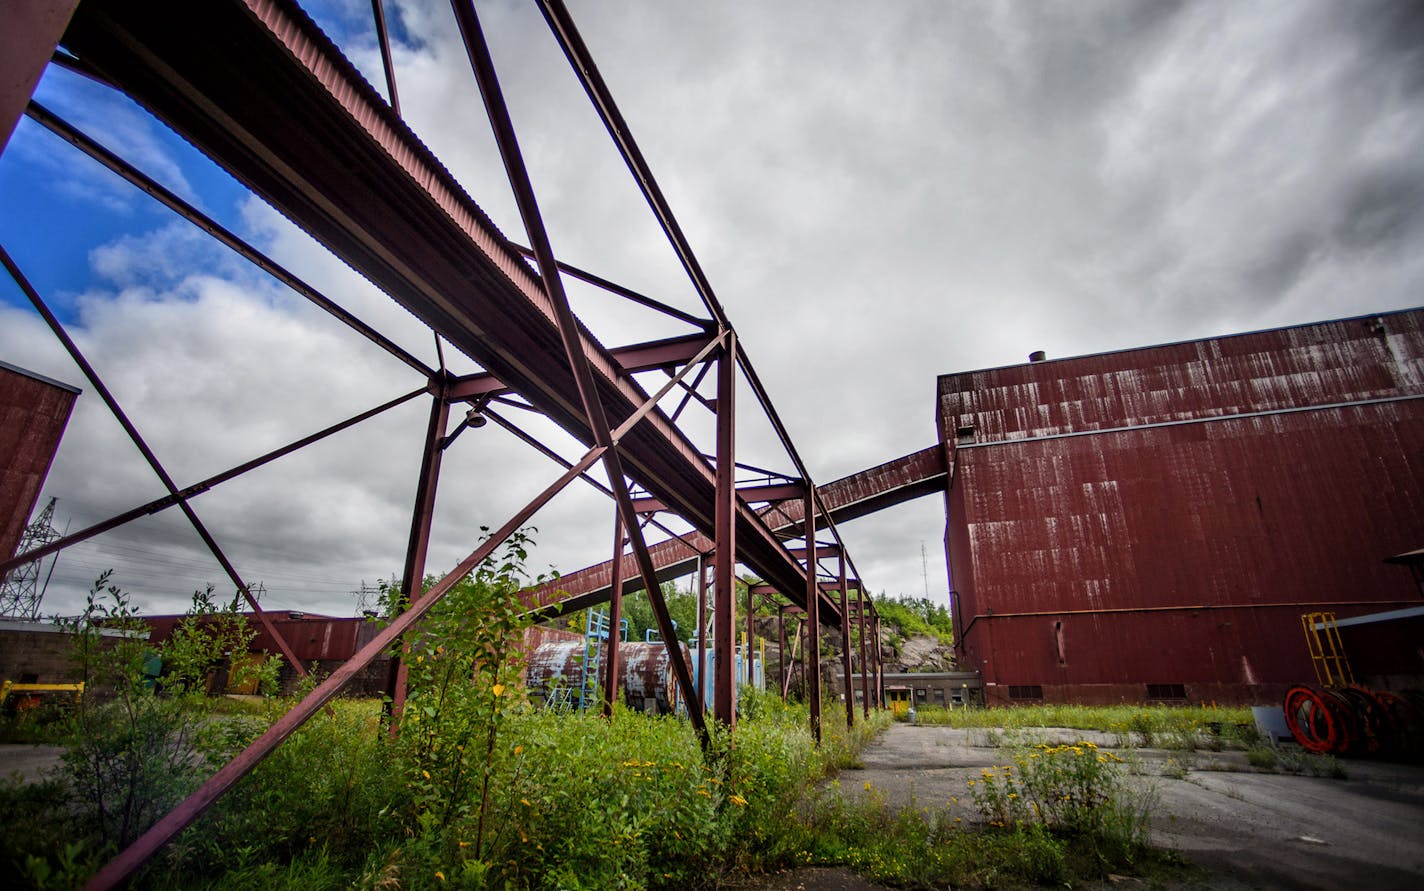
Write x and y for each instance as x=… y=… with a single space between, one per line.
x=557 y=678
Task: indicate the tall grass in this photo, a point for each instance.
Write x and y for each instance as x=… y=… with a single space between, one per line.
x=1167 y=726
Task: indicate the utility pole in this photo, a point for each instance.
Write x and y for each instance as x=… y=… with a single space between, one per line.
x=20 y=591
x=925 y=568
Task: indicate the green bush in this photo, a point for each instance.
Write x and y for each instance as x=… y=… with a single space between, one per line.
x=1074 y=788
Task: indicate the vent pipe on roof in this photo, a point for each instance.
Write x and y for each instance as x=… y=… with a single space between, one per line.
x=1037 y=356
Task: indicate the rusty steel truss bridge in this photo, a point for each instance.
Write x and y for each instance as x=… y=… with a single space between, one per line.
x=257 y=87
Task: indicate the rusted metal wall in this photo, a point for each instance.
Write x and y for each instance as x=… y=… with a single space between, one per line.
x=1164 y=515
x=33 y=413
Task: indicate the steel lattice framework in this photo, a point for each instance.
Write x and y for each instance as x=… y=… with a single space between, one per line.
x=336 y=157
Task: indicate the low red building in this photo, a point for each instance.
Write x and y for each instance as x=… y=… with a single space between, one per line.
x=1152 y=523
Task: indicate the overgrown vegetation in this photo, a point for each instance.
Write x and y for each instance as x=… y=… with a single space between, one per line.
x=1162 y=726
x=903 y=616
x=478 y=789
x=1073 y=788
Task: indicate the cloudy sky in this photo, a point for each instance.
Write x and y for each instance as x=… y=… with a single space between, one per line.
x=879 y=193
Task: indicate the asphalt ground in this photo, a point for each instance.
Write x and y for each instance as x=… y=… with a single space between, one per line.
x=1241 y=827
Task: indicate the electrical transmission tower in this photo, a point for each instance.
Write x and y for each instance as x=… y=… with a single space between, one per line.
x=21 y=590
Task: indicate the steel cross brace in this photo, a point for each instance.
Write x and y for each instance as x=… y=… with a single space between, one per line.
x=198 y=488
x=72 y=135
x=93 y=376
x=413 y=573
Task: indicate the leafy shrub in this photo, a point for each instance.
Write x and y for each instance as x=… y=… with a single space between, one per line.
x=1074 y=788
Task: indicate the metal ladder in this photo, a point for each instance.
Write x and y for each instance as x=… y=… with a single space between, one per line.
x=1327 y=653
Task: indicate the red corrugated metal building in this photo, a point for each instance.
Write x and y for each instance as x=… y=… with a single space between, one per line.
x=33 y=413
x=1152 y=523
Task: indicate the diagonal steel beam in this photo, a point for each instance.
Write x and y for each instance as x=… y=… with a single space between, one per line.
x=114 y=408
x=165 y=830
x=198 y=488
x=75 y=137
x=614 y=288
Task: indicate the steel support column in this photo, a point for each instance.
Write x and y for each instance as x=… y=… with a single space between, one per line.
x=615 y=618
x=812 y=666
x=864 y=665
x=879 y=667
x=845 y=648
x=781 y=653
x=413 y=573
x=701 y=633
x=724 y=559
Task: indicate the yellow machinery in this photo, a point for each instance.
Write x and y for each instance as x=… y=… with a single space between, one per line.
x=1327 y=653
x=28 y=696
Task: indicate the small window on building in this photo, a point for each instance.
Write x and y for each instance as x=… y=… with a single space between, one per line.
x=964 y=435
x=1166 y=691
x=956 y=697
x=939 y=696
x=920 y=693
x=1026 y=691
x=859 y=695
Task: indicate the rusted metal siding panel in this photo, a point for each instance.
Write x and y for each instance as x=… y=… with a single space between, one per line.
x=1295 y=507
x=1372 y=357
x=1096 y=564
x=313 y=638
x=33 y=415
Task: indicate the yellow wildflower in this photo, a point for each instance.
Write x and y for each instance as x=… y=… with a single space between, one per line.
x=738 y=800
x=497 y=689
x=440 y=875
x=867 y=786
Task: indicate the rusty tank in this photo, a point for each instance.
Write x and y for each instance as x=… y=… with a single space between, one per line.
x=558 y=678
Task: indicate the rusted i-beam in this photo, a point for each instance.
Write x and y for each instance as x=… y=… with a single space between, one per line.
x=418 y=545
x=845 y=647
x=724 y=558
x=615 y=619
x=864 y=667
x=811 y=668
